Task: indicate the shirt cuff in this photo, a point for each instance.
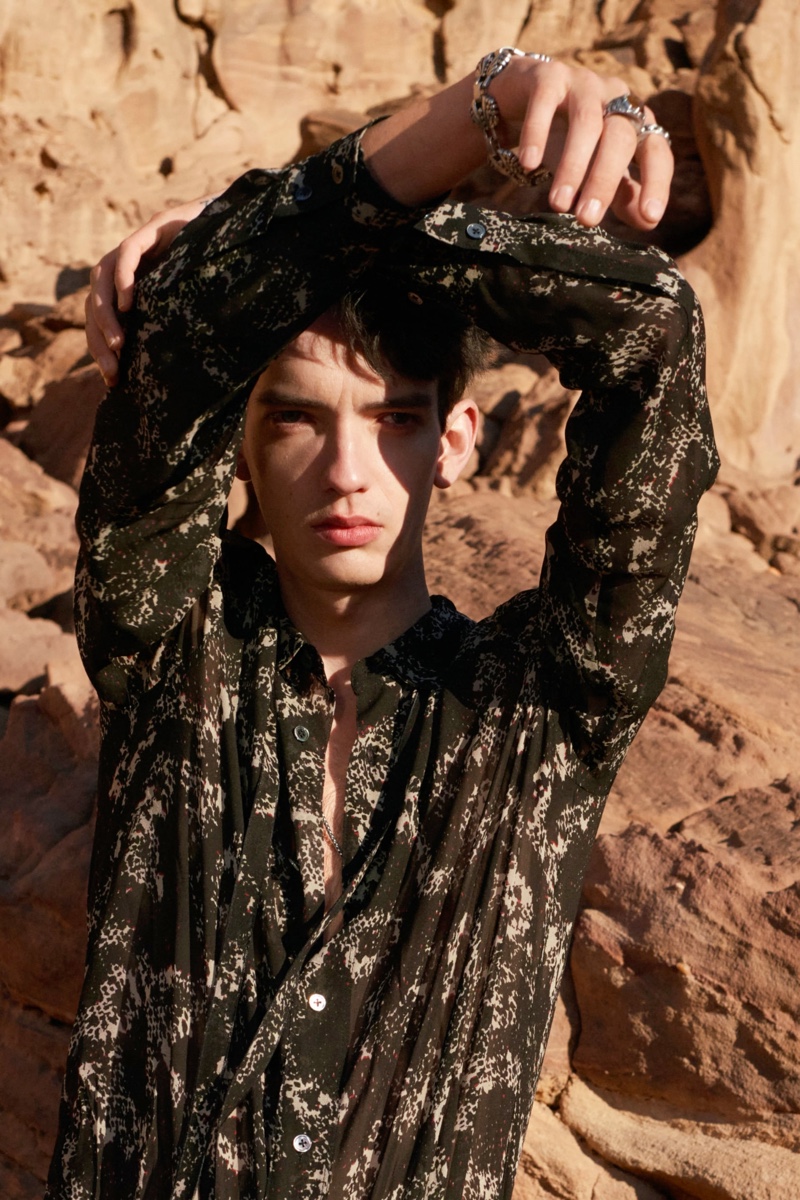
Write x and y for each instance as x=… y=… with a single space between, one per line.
x=340 y=171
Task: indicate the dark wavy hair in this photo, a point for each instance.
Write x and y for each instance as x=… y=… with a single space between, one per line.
x=399 y=333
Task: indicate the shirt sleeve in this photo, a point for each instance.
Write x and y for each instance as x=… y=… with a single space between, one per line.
x=243 y=279
x=623 y=326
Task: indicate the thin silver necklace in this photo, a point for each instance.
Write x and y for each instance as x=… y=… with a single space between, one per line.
x=332 y=836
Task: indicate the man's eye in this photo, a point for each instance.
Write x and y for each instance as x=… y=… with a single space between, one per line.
x=399 y=420
x=291 y=416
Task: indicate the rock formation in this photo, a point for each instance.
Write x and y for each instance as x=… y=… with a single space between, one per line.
x=747 y=117
x=671 y=1066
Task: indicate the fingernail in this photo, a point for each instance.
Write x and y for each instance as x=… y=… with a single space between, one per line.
x=114 y=342
x=654 y=210
x=590 y=211
x=562 y=197
x=530 y=157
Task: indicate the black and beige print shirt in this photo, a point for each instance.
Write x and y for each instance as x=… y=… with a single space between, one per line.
x=224 y=1047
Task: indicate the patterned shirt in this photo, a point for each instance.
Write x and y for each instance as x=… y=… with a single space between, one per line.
x=224 y=1047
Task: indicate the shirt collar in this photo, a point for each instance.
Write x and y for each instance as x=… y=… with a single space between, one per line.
x=418 y=657
x=421 y=655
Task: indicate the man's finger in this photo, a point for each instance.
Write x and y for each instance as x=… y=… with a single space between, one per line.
x=616 y=149
x=544 y=100
x=625 y=205
x=656 y=165
x=585 y=130
x=100 y=304
x=105 y=358
x=129 y=255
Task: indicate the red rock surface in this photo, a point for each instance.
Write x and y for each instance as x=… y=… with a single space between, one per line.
x=60 y=428
x=671 y=1067
x=685 y=974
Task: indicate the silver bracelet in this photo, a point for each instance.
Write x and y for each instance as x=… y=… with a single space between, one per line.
x=486 y=115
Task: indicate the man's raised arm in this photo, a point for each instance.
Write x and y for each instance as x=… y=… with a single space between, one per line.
x=258 y=266
x=625 y=328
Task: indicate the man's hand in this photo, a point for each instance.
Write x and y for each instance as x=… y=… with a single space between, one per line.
x=564 y=126
x=113 y=277
x=554 y=114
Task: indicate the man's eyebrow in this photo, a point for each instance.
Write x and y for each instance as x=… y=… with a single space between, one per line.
x=274 y=398
x=410 y=400
x=278 y=399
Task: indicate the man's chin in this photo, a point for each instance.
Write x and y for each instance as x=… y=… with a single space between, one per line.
x=347 y=580
x=342 y=572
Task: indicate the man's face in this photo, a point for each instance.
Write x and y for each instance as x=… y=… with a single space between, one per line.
x=343 y=463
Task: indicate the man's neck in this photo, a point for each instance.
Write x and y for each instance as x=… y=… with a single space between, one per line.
x=345 y=626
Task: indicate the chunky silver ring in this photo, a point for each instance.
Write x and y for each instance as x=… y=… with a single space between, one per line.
x=646 y=130
x=621 y=106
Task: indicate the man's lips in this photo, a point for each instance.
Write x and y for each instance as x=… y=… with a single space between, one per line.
x=347 y=531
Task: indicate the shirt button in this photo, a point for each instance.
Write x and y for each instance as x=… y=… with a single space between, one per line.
x=301 y=733
x=317 y=1001
x=476 y=230
x=337 y=171
x=302 y=192
x=302 y=1143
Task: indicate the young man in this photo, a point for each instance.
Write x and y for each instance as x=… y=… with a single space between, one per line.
x=342 y=828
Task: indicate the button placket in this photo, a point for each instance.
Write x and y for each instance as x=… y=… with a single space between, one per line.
x=304 y=717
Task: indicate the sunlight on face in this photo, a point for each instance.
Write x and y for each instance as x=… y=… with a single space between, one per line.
x=343 y=462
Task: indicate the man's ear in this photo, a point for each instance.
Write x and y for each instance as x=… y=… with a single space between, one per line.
x=458 y=442
x=242 y=466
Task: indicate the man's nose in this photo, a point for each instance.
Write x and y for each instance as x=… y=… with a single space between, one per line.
x=346 y=459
